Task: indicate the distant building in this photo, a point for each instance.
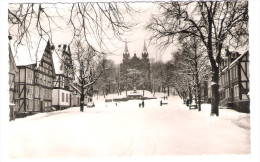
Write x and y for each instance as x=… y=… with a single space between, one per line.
x=62 y=84
x=75 y=94
x=135 y=72
x=33 y=84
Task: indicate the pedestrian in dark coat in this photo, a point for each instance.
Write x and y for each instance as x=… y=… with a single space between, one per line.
x=143 y=104
x=187 y=102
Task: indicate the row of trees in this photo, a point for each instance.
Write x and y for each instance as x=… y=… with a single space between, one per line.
x=189 y=69
x=216 y=24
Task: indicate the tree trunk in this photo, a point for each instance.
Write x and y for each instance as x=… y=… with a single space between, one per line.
x=168 y=90
x=215 y=70
x=190 y=95
x=198 y=92
x=199 y=103
x=215 y=94
x=82 y=101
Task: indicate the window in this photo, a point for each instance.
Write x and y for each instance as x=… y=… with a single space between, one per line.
x=36 y=105
x=16 y=88
x=44 y=80
x=40 y=78
x=67 y=98
x=235 y=71
x=29 y=76
x=16 y=102
x=30 y=91
x=227 y=76
x=237 y=91
x=11 y=97
x=227 y=93
x=30 y=104
x=50 y=94
x=41 y=92
x=36 y=91
x=62 y=97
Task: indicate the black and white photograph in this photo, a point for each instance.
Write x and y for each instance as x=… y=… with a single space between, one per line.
x=129 y=79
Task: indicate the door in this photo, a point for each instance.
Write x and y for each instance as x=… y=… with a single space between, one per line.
x=41 y=106
x=232 y=94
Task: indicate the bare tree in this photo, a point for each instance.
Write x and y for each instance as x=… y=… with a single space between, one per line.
x=108 y=80
x=97 y=22
x=216 y=23
x=87 y=68
x=193 y=62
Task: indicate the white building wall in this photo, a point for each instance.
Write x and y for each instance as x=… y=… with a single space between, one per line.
x=75 y=100
x=64 y=102
x=57 y=97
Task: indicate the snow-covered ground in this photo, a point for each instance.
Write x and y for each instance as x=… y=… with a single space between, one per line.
x=127 y=130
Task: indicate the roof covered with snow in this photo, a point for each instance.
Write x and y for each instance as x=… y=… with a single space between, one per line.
x=29 y=53
x=234 y=62
x=58 y=57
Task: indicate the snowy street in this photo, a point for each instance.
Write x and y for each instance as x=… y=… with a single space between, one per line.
x=127 y=130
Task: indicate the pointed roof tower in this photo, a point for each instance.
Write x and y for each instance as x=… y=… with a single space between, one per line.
x=126 y=48
x=144 y=49
x=145 y=53
x=126 y=54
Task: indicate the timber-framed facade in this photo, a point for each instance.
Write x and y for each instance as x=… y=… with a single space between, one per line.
x=33 y=84
x=62 y=84
x=234 y=81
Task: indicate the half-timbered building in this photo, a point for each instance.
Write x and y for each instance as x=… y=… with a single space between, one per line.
x=62 y=84
x=33 y=84
x=13 y=71
x=234 y=81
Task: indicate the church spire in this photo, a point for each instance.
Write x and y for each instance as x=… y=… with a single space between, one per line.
x=126 y=48
x=145 y=53
x=145 y=49
x=126 y=54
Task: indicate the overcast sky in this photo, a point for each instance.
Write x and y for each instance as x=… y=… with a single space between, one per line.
x=134 y=37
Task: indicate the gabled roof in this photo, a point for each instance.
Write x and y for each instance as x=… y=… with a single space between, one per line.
x=58 y=56
x=12 y=66
x=134 y=60
x=29 y=53
x=234 y=62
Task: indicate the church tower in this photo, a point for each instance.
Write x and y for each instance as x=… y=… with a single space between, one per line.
x=144 y=53
x=126 y=54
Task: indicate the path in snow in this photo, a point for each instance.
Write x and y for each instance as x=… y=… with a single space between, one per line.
x=127 y=130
